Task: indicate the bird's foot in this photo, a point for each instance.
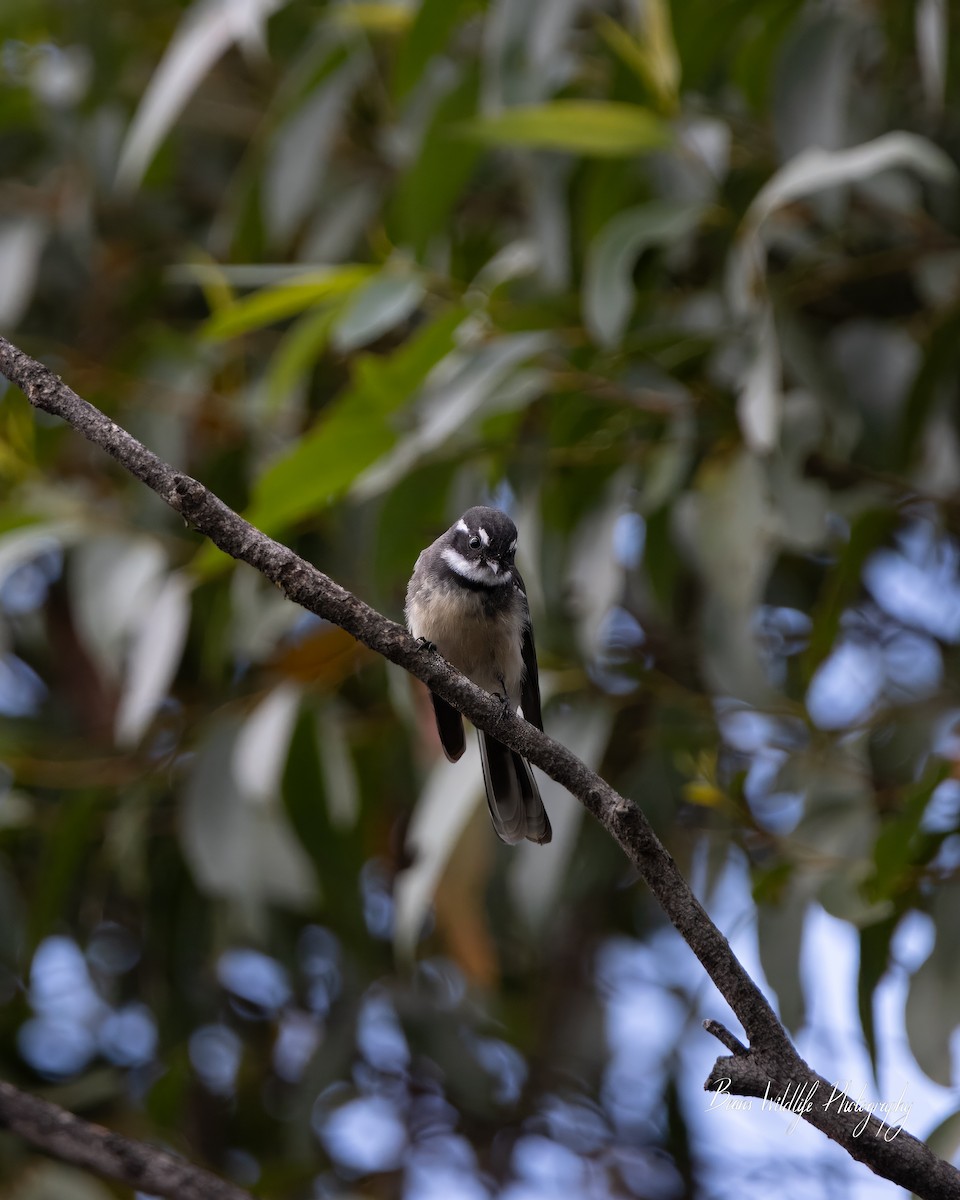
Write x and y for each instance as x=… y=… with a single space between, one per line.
x=426 y=644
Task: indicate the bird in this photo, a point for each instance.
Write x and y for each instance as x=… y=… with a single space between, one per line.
x=466 y=600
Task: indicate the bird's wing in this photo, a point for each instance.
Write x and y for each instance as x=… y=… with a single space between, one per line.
x=530 y=690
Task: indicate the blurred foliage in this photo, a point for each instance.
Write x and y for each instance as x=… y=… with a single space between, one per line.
x=676 y=281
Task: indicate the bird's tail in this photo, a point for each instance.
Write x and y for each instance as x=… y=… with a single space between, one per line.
x=512 y=795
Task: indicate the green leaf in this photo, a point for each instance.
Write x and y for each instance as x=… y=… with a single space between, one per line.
x=376 y=308
x=21 y=244
x=428 y=35
x=578 y=126
x=779 y=938
x=931 y=1010
x=901 y=846
x=844 y=583
x=486 y=379
x=307 y=805
x=654 y=59
x=297 y=353
x=286 y=299
x=372 y=18
x=625 y=46
x=874 y=960
x=760 y=46
x=537 y=884
x=733 y=539
x=72 y=832
x=430 y=188
x=814 y=171
x=234 y=832
x=354 y=432
x=944 y=1138
x=205 y=33
x=939 y=364
x=153 y=656
x=760 y=401
x=443 y=810
x=608 y=281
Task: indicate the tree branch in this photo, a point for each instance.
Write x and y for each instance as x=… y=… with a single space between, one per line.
x=902 y=1158
x=74 y=1140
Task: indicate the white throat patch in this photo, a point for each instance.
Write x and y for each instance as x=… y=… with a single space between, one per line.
x=487 y=574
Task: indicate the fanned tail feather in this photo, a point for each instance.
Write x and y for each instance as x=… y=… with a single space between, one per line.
x=512 y=795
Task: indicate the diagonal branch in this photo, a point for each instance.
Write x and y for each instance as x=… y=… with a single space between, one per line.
x=902 y=1158
x=68 y=1137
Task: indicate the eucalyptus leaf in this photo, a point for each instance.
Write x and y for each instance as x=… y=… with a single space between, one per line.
x=21 y=243
x=592 y=127
x=372 y=16
x=653 y=56
x=373 y=310
x=300 y=150
x=933 y=41
x=812 y=87
x=286 y=299
x=930 y=1017
x=299 y=351
x=479 y=382
x=112 y=581
x=536 y=880
x=812 y=171
x=431 y=184
x=780 y=926
x=153 y=658
x=432 y=26
x=760 y=402
x=944 y=1139
x=446 y=803
x=340 y=782
x=262 y=744
x=22 y=545
x=206 y=31
x=240 y=846
x=731 y=528
x=608 y=284
x=355 y=431
x=595 y=579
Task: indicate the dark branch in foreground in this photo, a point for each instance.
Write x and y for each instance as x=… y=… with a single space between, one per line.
x=146 y=1168
x=771 y=1066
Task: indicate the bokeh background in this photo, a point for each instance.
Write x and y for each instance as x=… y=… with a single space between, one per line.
x=677 y=283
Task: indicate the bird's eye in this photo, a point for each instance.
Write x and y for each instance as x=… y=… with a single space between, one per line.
x=474 y=543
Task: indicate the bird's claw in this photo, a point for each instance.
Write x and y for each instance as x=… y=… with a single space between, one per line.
x=426 y=644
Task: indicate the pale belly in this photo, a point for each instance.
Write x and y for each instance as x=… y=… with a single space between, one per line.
x=482 y=643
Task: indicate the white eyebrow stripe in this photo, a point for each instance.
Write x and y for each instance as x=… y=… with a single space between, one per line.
x=513 y=545
x=462 y=526
x=484 y=536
